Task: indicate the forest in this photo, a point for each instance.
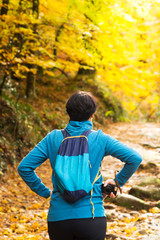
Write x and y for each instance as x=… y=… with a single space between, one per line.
x=51 y=49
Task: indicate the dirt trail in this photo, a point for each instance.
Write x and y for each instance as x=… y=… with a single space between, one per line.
x=143 y=137
x=23 y=214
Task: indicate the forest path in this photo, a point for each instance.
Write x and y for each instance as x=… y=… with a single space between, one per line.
x=143 y=137
x=23 y=214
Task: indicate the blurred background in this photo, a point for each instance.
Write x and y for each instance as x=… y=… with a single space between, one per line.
x=50 y=49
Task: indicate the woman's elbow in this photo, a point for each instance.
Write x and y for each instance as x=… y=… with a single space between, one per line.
x=20 y=169
x=139 y=159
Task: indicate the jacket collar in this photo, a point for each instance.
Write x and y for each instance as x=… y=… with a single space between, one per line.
x=76 y=128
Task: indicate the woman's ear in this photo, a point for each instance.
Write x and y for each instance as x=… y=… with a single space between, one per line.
x=90 y=119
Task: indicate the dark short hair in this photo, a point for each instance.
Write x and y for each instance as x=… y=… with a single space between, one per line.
x=80 y=106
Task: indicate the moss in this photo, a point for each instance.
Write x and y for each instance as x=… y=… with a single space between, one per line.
x=21 y=128
x=143 y=193
x=158 y=204
x=150 y=181
x=130 y=202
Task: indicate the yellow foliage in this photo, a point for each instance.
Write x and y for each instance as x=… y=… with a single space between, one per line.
x=130 y=231
x=154 y=210
x=35 y=206
x=118 y=38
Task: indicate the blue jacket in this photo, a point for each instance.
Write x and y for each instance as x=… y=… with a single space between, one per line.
x=100 y=145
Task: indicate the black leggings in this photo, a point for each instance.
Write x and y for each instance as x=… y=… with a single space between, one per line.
x=78 y=229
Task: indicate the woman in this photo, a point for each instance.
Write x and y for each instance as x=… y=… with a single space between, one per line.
x=75 y=221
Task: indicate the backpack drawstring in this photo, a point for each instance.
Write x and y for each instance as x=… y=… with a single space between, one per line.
x=92 y=203
x=95 y=180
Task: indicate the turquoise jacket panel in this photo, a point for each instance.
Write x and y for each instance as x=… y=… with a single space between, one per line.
x=100 y=145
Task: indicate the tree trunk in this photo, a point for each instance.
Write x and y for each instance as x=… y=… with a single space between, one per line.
x=35 y=8
x=17 y=41
x=58 y=32
x=30 y=86
x=3 y=11
x=2 y=84
x=85 y=72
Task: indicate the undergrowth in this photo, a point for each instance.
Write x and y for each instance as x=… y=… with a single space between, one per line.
x=24 y=122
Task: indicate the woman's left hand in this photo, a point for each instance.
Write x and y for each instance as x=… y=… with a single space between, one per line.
x=109 y=181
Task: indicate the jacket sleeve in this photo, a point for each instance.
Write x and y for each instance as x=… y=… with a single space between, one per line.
x=129 y=156
x=27 y=167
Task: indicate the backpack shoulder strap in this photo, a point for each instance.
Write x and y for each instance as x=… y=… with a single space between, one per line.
x=65 y=133
x=86 y=132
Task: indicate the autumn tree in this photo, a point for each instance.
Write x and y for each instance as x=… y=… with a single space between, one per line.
x=4 y=10
x=30 y=81
x=117 y=40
